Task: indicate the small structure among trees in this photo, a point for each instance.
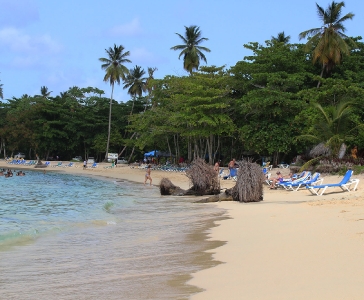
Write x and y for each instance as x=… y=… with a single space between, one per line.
x=249 y=184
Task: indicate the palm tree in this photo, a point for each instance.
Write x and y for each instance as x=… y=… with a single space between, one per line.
x=113 y=65
x=135 y=82
x=1 y=91
x=44 y=92
x=150 y=78
x=191 y=50
x=334 y=125
x=281 y=38
x=328 y=41
x=149 y=84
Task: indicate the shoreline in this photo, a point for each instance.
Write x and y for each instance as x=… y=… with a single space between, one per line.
x=292 y=245
x=122 y=171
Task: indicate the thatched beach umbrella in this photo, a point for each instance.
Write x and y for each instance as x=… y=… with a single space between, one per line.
x=249 y=185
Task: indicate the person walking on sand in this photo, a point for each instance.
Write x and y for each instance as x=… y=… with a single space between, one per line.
x=85 y=164
x=147 y=175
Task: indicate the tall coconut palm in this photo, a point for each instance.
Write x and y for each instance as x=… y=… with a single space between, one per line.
x=281 y=38
x=149 y=80
x=328 y=41
x=191 y=51
x=44 y=92
x=135 y=82
x=115 y=69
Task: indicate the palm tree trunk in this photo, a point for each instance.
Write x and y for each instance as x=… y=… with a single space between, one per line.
x=132 y=152
x=322 y=74
x=109 y=129
x=122 y=151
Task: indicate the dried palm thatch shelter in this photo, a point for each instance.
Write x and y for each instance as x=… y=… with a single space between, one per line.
x=320 y=150
x=203 y=180
x=249 y=185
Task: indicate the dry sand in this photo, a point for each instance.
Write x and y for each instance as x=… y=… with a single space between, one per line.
x=292 y=245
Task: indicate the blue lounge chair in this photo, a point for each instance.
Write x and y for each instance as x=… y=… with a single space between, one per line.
x=233 y=174
x=296 y=185
x=344 y=184
x=69 y=165
x=286 y=182
x=93 y=166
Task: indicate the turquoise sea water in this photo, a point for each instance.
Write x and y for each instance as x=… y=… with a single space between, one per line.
x=75 y=237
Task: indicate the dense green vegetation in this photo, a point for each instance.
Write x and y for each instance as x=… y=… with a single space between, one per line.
x=279 y=102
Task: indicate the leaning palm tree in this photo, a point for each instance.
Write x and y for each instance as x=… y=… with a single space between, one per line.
x=329 y=43
x=113 y=65
x=191 y=51
x=281 y=38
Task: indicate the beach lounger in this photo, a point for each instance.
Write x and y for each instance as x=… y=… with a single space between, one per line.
x=69 y=165
x=59 y=164
x=283 y=165
x=93 y=166
x=110 y=167
x=285 y=182
x=233 y=174
x=222 y=173
x=344 y=184
x=296 y=185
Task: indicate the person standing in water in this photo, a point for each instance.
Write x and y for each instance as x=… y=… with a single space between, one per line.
x=147 y=175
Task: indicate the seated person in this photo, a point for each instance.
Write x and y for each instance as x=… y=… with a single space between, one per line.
x=278 y=179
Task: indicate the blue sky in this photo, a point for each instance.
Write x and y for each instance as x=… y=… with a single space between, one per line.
x=57 y=43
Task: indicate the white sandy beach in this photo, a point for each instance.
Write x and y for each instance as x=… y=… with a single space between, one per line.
x=292 y=245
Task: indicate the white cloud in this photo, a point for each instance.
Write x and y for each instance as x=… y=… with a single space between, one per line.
x=25 y=51
x=18 y=41
x=132 y=28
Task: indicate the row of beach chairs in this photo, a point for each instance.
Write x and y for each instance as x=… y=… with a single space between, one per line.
x=59 y=164
x=166 y=168
x=314 y=183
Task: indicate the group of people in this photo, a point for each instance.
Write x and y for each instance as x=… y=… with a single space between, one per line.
x=9 y=173
x=231 y=165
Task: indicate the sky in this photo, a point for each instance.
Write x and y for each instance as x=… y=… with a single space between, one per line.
x=57 y=44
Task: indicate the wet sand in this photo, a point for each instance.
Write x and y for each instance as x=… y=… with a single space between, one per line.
x=292 y=245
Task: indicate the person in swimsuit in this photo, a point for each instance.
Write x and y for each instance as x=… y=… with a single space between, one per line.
x=147 y=175
x=279 y=178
